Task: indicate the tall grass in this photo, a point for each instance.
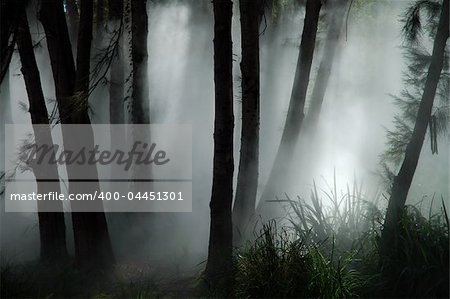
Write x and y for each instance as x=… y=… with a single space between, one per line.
x=329 y=249
x=279 y=264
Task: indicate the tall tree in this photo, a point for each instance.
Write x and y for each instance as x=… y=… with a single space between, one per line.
x=92 y=242
x=116 y=88
x=402 y=182
x=251 y=12
x=99 y=22
x=139 y=53
x=337 y=10
x=9 y=16
x=219 y=265
x=100 y=14
x=73 y=18
x=52 y=229
x=295 y=114
x=84 y=54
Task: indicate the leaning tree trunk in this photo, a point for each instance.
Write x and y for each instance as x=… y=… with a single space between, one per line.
x=247 y=183
x=337 y=10
x=402 y=182
x=295 y=114
x=92 y=243
x=52 y=229
x=219 y=265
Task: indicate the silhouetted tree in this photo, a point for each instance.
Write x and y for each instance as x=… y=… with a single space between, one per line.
x=117 y=77
x=402 y=182
x=84 y=55
x=219 y=264
x=73 y=18
x=52 y=229
x=139 y=32
x=337 y=10
x=100 y=14
x=295 y=114
x=92 y=243
x=10 y=10
x=251 y=12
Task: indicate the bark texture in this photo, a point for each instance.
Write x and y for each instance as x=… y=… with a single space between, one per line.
x=139 y=32
x=9 y=16
x=116 y=88
x=92 y=243
x=52 y=229
x=402 y=182
x=73 y=18
x=337 y=10
x=294 y=119
x=251 y=12
x=219 y=265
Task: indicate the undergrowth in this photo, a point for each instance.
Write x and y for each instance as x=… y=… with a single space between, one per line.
x=327 y=248
x=331 y=250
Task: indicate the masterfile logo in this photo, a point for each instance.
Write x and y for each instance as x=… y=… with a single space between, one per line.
x=114 y=168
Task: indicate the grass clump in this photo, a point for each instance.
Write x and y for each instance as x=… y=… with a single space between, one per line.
x=279 y=264
x=420 y=265
x=331 y=250
x=272 y=266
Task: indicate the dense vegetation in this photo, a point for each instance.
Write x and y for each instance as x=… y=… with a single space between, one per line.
x=263 y=242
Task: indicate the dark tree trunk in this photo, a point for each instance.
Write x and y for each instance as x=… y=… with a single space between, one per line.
x=84 y=55
x=139 y=31
x=402 y=182
x=52 y=229
x=117 y=78
x=100 y=23
x=218 y=268
x=92 y=243
x=100 y=14
x=295 y=114
x=251 y=12
x=5 y=109
x=9 y=16
x=73 y=18
x=337 y=10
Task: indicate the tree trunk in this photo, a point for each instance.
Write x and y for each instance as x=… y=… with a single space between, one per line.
x=219 y=265
x=100 y=22
x=100 y=14
x=116 y=88
x=9 y=21
x=295 y=114
x=84 y=55
x=139 y=31
x=73 y=18
x=402 y=182
x=251 y=12
x=92 y=243
x=52 y=229
x=337 y=10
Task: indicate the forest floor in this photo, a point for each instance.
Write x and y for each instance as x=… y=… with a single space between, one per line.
x=324 y=256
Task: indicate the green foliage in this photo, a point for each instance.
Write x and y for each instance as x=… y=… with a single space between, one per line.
x=338 y=223
x=420 y=24
x=331 y=251
x=413 y=19
x=273 y=266
x=278 y=264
